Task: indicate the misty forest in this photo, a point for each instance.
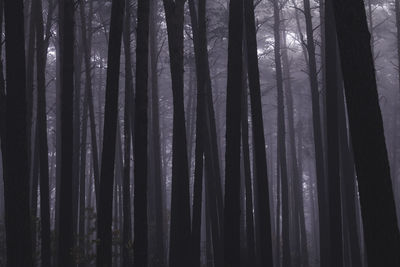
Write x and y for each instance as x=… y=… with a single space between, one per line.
x=200 y=133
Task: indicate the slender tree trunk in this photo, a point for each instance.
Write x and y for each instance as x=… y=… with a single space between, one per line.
x=66 y=32
x=14 y=144
x=318 y=141
x=232 y=154
x=367 y=135
x=332 y=86
x=140 y=147
x=104 y=214
x=180 y=203
x=155 y=135
x=127 y=228
x=41 y=55
x=261 y=172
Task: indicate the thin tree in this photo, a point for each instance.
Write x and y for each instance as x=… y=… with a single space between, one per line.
x=14 y=143
x=104 y=214
x=367 y=135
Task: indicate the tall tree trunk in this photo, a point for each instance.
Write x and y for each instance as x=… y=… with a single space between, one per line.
x=104 y=214
x=232 y=154
x=127 y=228
x=155 y=135
x=281 y=141
x=367 y=135
x=14 y=144
x=332 y=87
x=297 y=175
x=86 y=33
x=318 y=140
x=180 y=202
x=41 y=55
x=261 y=172
x=66 y=32
x=140 y=147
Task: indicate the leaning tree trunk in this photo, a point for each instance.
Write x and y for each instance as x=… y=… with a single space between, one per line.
x=367 y=135
x=14 y=144
x=104 y=215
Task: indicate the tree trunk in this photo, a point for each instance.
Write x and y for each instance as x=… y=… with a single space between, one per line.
x=232 y=154
x=367 y=135
x=66 y=32
x=14 y=144
x=318 y=141
x=261 y=172
x=180 y=202
x=127 y=228
x=104 y=214
x=140 y=147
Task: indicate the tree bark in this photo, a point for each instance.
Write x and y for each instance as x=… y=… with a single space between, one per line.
x=14 y=144
x=367 y=135
x=104 y=214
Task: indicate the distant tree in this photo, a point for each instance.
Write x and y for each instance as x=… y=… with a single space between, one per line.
x=367 y=135
x=104 y=214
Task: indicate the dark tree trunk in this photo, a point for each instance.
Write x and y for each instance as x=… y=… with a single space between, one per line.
x=86 y=33
x=261 y=172
x=367 y=136
x=155 y=135
x=332 y=87
x=66 y=32
x=127 y=228
x=232 y=155
x=140 y=147
x=249 y=219
x=41 y=55
x=318 y=141
x=14 y=143
x=180 y=203
x=286 y=257
x=104 y=214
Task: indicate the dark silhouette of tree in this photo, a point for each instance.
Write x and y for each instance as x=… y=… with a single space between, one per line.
x=127 y=228
x=66 y=39
x=232 y=154
x=333 y=171
x=140 y=147
x=261 y=172
x=14 y=142
x=180 y=205
x=104 y=215
x=366 y=128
